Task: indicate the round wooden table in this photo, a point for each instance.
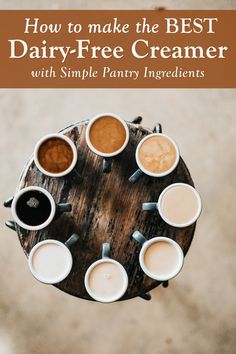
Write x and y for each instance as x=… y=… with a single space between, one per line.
x=106 y=207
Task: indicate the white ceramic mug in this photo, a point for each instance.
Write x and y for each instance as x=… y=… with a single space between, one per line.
x=105 y=283
x=158 y=205
x=106 y=156
x=162 y=276
x=68 y=141
x=55 y=208
x=50 y=261
x=142 y=169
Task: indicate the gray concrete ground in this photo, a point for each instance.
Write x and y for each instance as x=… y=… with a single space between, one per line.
x=196 y=314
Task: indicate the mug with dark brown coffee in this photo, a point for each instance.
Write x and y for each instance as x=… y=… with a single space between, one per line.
x=33 y=208
x=157 y=155
x=107 y=135
x=55 y=155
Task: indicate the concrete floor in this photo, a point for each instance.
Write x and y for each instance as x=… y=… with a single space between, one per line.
x=197 y=313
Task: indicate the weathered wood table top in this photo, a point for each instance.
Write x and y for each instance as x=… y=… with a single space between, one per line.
x=106 y=207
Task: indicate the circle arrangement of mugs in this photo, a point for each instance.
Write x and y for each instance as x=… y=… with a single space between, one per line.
x=34 y=208
x=50 y=261
x=55 y=155
x=179 y=205
x=106 y=280
x=107 y=135
x=157 y=155
x=161 y=258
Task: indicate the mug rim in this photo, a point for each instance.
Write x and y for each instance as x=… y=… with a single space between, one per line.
x=98 y=298
x=35 y=274
x=162 y=174
x=33 y=227
x=104 y=154
x=191 y=221
x=59 y=136
x=179 y=250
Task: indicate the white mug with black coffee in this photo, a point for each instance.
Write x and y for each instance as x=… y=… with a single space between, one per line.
x=50 y=261
x=156 y=155
x=33 y=208
x=161 y=258
x=179 y=205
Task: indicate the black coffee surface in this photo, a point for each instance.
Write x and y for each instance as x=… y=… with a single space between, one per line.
x=33 y=208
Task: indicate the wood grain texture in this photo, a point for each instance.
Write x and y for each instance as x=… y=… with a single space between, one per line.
x=105 y=208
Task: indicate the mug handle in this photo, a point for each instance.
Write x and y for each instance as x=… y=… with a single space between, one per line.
x=72 y=240
x=139 y=237
x=157 y=128
x=137 y=120
x=8 y=202
x=11 y=224
x=106 y=165
x=149 y=206
x=63 y=207
x=135 y=176
x=106 y=250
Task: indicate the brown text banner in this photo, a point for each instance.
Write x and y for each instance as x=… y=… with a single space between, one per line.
x=117 y=49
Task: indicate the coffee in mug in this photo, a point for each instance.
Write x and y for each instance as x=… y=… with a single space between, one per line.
x=157 y=155
x=161 y=258
x=179 y=205
x=50 y=261
x=107 y=134
x=55 y=155
x=106 y=279
x=34 y=208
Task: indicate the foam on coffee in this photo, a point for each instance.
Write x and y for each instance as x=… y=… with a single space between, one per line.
x=106 y=280
x=55 y=155
x=157 y=154
x=50 y=261
x=161 y=259
x=107 y=134
x=179 y=204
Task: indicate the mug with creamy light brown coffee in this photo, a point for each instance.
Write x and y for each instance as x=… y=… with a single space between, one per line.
x=106 y=280
x=179 y=205
x=156 y=155
x=107 y=135
x=55 y=155
x=50 y=261
x=161 y=258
